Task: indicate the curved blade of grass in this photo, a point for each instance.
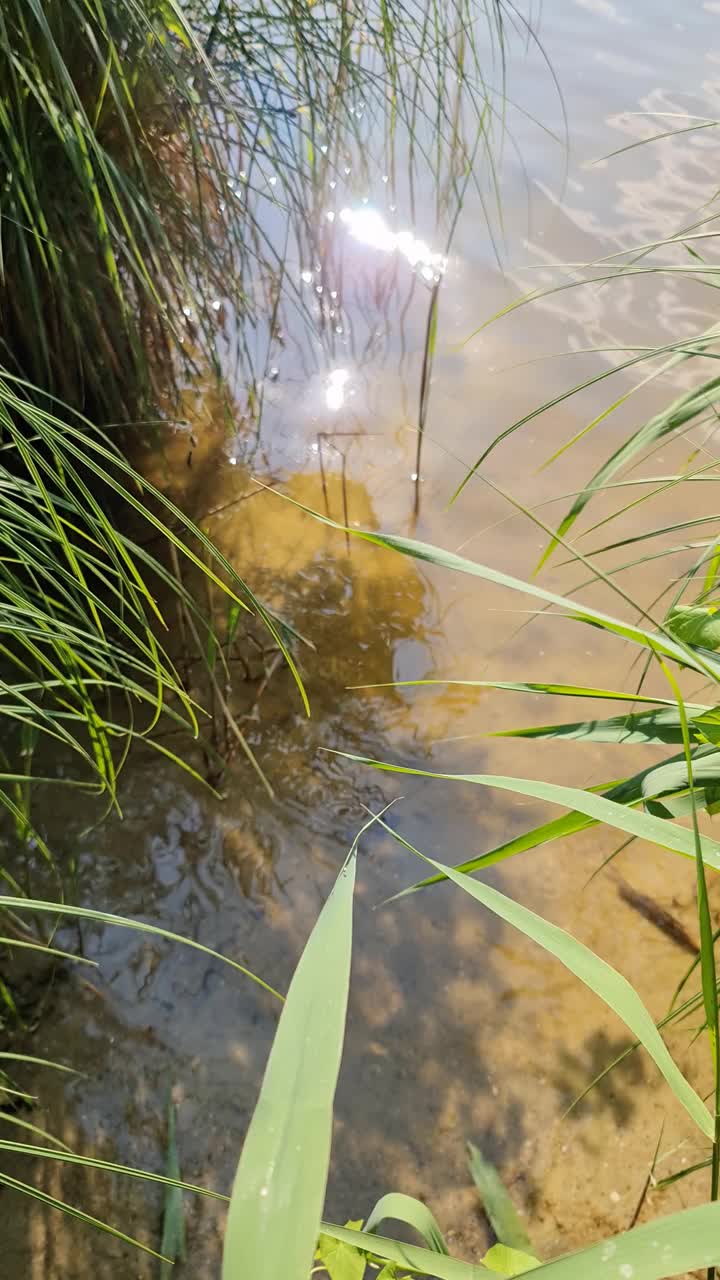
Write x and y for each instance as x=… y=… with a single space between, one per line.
x=661 y=1183
x=48 y=951
x=523 y=686
x=595 y=973
x=109 y=1166
x=674 y=359
x=424 y=1261
x=656 y=642
x=279 y=1188
x=658 y=831
x=106 y=917
x=6 y=1056
x=36 y=1194
x=682 y=411
x=667 y=1246
x=8 y=1117
x=649 y=728
x=557 y=829
x=413 y=1213
x=674 y=775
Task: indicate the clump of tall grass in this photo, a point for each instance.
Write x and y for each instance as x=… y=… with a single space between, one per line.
x=147 y=151
x=109 y=198
x=82 y=656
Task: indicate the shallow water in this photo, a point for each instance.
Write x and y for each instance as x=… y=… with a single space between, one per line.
x=458 y=1028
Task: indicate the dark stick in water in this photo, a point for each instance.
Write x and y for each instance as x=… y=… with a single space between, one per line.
x=651 y=910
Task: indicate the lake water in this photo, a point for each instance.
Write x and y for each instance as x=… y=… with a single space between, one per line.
x=458 y=1028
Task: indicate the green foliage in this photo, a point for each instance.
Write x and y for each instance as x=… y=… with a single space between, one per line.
x=341 y=1260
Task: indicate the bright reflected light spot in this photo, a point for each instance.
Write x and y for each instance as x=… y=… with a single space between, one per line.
x=369 y=227
x=335 y=389
x=330 y=215
x=306 y=277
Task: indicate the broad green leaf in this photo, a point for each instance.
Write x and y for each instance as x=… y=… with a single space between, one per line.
x=414 y=1213
x=667 y=1246
x=509 y=1262
x=277 y=1197
x=600 y=977
x=642 y=825
x=341 y=1260
x=706 y=725
x=675 y=775
x=496 y=1202
x=695 y=624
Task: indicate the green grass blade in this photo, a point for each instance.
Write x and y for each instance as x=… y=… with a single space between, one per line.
x=425 y=1261
x=496 y=1202
x=414 y=1213
x=106 y=917
x=173 y=1234
x=524 y=686
x=643 y=825
x=647 y=727
x=542 y=834
x=109 y=1166
x=606 y=982
x=52 y=1202
x=708 y=968
x=665 y=1247
x=656 y=642
x=279 y=1188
